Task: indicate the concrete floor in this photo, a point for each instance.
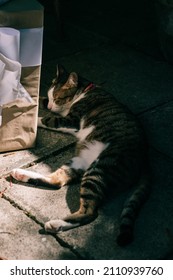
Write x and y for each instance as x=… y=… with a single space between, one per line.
x=117 y=45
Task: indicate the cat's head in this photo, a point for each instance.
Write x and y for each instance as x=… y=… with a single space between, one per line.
x=62 y=91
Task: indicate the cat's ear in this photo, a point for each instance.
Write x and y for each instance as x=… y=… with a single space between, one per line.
x=60 y=70
x=72 y=79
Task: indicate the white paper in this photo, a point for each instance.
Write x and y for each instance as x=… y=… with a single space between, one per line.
x=10 y=43
x=10 y=86
x=31 y=46
x=17 y=49
x=24 y=45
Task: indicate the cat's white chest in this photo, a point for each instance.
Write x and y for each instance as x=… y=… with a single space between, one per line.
x=91 y=152
x=88 y=155
x=84 y=132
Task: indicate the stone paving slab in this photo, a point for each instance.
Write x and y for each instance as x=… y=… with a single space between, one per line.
x=97 y=240
x=158 y=125
x=19 y=238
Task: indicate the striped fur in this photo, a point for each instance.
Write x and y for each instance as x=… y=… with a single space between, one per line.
x=110 y=152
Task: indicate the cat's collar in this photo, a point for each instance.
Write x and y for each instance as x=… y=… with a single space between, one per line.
x=89 y=87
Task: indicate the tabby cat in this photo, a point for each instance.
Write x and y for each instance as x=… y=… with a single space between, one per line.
x=110 y=152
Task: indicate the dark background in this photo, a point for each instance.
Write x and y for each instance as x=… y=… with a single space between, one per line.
x=134 y=22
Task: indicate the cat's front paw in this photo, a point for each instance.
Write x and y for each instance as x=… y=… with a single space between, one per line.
x=25 y=175
x=55 y=226
x=39 y=122
x=20 y=175
x=46 y=122
x=49 y=121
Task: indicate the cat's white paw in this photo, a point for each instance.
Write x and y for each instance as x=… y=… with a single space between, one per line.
x=24 y=175
x=39 y=122
x=55 y=226
x=20 y=175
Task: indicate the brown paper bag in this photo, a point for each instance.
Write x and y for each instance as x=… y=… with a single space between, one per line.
x=19 y=118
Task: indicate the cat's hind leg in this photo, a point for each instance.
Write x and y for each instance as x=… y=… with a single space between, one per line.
x=91 y=195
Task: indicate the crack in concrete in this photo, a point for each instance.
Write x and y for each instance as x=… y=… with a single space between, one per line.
x=34 y=219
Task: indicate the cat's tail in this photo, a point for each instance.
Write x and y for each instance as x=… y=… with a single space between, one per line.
x=131 y=209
